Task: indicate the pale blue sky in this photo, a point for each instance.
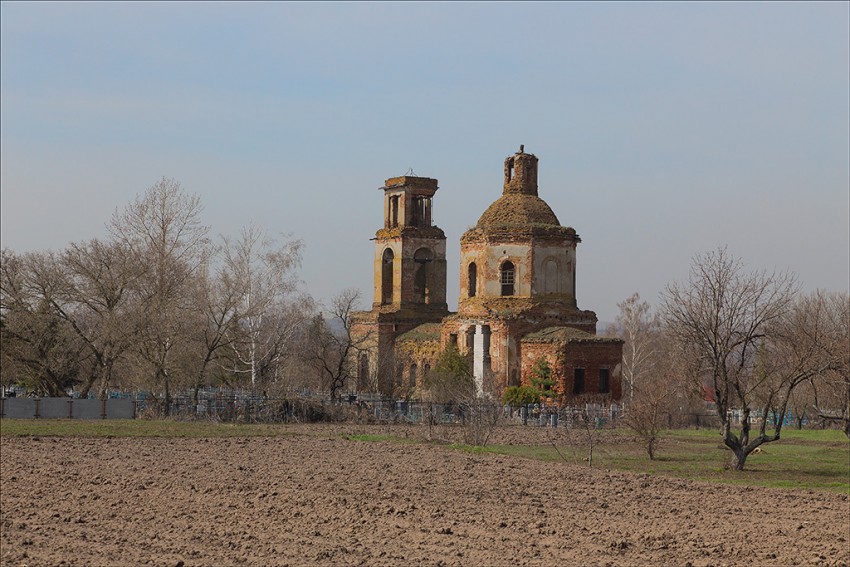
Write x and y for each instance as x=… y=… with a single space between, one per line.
x=663 y=129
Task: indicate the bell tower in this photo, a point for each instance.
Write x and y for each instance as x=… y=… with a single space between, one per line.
x=410 y=281
x=410 y=252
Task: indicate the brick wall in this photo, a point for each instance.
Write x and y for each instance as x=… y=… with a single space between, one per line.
x=566 y=358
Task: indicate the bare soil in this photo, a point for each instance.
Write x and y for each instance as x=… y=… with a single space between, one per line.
x=315 y=498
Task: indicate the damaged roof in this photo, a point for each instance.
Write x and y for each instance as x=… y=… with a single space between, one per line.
x=518 y=209
x=424 y=332
x=566 y=335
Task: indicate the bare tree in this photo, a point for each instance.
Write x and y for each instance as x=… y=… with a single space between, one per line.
x=451 y=382
x=98 y=300
x=277 y=338
x=259 y=281
x=803 y=344
x=818 y=337
x=582 y=428
x=155 y=300
x=163 y=230
x=638 y=327
x=832 y=399
x=658 y=395
x=38 y=348
x=84 y=289
x=722 y=315
x=801 y=404
x=215 y=314
x=649 y=371
x=332 y=347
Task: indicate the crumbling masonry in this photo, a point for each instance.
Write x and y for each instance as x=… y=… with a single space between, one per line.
x=517 y=296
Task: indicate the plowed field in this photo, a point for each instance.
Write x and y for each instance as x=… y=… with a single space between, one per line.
x=315 y=498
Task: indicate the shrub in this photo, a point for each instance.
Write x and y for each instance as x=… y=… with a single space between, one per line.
x=521 y=396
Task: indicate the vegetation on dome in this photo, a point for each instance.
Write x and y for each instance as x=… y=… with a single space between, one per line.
x=518 y=209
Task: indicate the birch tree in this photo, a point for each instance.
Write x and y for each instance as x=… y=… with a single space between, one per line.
x=259 y=279
x=639 y=328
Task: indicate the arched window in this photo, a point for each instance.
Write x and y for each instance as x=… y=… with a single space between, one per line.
x=472 y=280
x=387 y=276
x=399 y=373
x=411 y=378
x=470 y=338
x=363 y=371
x=507 y=278
x=422 y=258
x=394 y=210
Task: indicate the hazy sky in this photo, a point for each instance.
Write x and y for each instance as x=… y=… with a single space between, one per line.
x=663 y=129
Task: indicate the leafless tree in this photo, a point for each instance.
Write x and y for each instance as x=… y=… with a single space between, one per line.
x=581 y=429
x=259 y=277
x=162 y=229
x=86 y=288
x=801 y=404
x=649 y=370
x=215 y=314
x=723 y=315
x=156 y=300
x=37 y=347
x=451 y=382
x=100 y=303
x=818 y=336
x=639 y=328
x=332 y=347
x=832 y=399
x=659 y=395
x=805 y=343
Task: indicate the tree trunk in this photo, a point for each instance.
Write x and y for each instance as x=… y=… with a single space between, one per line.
x=87 y=385
x=650 y=447
x=167 y=395
x=738 y=448
x=738 y=459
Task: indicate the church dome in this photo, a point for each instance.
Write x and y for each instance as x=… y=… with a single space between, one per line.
x=519 y=205
x=518 y=209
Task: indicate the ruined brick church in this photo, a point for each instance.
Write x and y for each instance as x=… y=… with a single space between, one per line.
x=517 y=296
